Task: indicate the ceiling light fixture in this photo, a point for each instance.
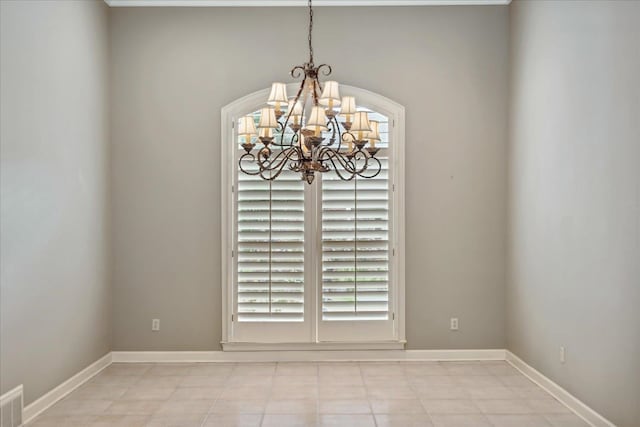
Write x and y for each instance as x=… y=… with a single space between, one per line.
x=317 y=141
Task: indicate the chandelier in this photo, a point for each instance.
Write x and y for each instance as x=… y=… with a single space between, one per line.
x=317 y=140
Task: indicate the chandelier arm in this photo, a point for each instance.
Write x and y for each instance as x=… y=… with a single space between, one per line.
x=297 y=139
x=263 y=157
x=297 y=71
x=323 y=153
x=296 y=164
x=316 y=85
x=353 y=137
x=362 y=155
x=337 y=170
x=280 y=143
x=346 y=164
x=333 y=163
x=378 y=169
x=320 y=151
x=296 y=160
x=297 y=97
x=326 y=72
x=252 y=159
x=271 y=176
x=338 y=129
x=297 y=143
x=278 y=170
x=332 y=123
x=358 y=172
x=279 y=166
x=303 y=93
x=343 y=137
x=275 y=162
x=359 y=155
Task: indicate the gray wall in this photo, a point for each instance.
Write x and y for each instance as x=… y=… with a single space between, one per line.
x=173 y=69
x=55 y=311
x=574 y=199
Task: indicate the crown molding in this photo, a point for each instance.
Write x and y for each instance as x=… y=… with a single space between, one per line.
x=270 y=3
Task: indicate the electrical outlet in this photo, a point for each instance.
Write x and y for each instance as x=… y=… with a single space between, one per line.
x=155 y=325
x=563 y=354
x=454 y=323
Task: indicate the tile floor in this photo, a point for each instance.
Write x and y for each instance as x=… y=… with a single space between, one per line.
x=436 y=394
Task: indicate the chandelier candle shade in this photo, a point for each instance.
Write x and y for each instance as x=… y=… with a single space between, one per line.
x=348 y=108
x=305 y=133
x=374 y=134
x=278 y=96
x=295 y=111
x=247 y=129
x=330 y=95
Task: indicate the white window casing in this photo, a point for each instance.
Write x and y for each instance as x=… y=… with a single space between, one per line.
x=337 y=281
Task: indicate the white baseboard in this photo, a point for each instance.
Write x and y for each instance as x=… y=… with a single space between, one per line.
x=37 y=407
x=305 y=356
x=574 y=404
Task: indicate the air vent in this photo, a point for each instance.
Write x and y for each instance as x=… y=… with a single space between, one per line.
x=11 y=405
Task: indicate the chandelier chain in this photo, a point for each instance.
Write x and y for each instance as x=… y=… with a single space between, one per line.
x=310 y=32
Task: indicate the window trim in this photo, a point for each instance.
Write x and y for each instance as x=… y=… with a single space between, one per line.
x=229 y=115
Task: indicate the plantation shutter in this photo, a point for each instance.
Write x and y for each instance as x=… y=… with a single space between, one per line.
x=355 y=243
x=270 y=272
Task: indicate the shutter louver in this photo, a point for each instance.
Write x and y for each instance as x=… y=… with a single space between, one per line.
x=270 y=281
x=355 y=243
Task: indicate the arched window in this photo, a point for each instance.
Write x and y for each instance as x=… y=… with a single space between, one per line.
x=318 y=265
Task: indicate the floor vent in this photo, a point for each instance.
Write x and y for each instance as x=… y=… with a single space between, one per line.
x=11 y=404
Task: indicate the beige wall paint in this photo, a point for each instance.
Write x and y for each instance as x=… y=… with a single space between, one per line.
x=575 y=198
x=55 y=297
x=173 y=69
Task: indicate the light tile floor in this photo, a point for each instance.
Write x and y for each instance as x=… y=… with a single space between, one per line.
x=435 y=394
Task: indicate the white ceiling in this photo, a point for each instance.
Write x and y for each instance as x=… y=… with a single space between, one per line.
x=253 y=3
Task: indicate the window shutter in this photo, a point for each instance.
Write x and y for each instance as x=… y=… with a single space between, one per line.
x=355 y=243
x=270 y=281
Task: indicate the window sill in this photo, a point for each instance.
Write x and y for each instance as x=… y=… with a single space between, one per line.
x=372 y=345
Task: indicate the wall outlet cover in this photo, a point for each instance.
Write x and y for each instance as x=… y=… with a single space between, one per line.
x=454 y=323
